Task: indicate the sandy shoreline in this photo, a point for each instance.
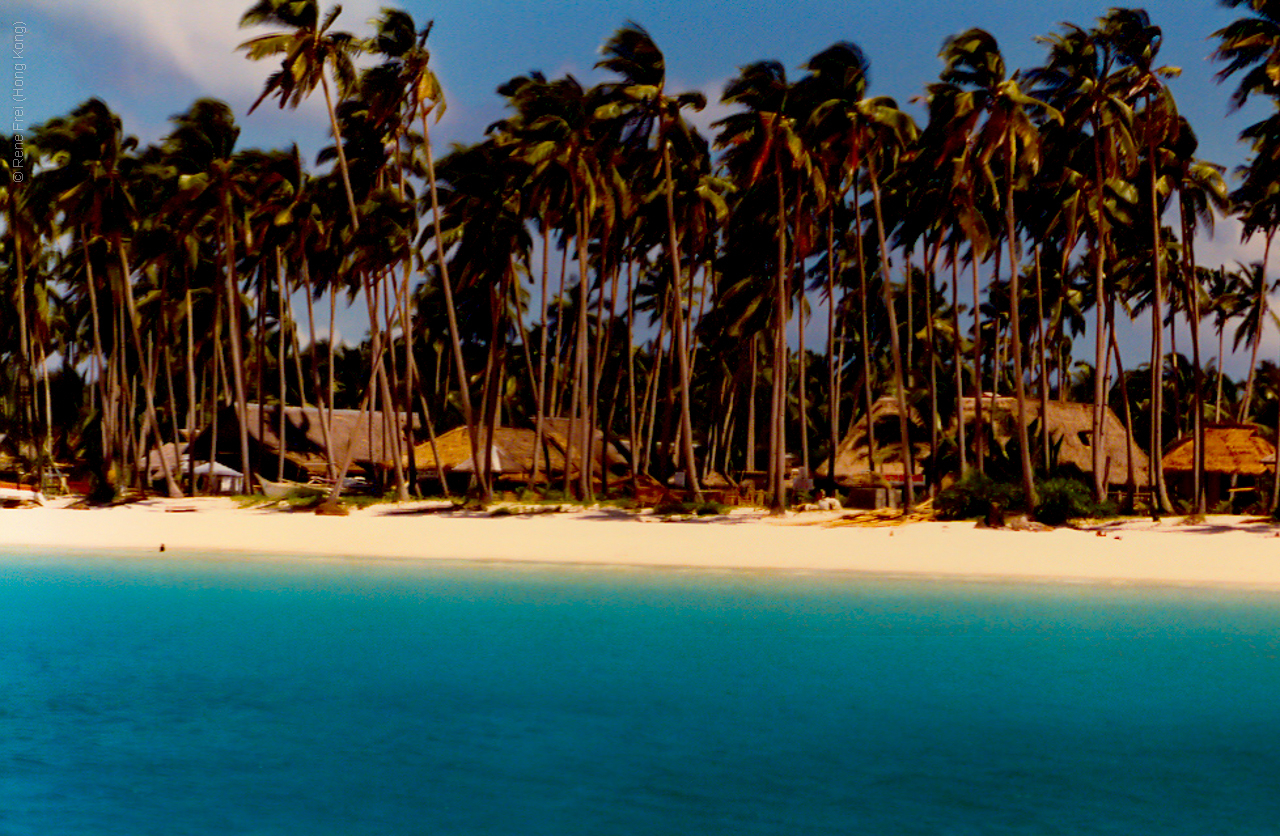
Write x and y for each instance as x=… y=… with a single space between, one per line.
x=1222 y=551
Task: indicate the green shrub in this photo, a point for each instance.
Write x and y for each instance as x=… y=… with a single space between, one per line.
x=1059 y=500
x=709 y=509
x=974 y=496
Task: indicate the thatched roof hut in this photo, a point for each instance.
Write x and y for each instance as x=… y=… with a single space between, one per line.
x=1235 y=457
x=1070 y=425
x=354 y=432
x=853 y=456
x=1230 y=449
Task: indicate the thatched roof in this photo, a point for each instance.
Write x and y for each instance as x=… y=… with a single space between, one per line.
x=560 y=427
x=355 y=432
x=1071 y=424
x=512 y=452
x=174 y=456
x=853 y=460
x=1228 y=448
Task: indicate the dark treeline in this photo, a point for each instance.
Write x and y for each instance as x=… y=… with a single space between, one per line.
x=595 y=257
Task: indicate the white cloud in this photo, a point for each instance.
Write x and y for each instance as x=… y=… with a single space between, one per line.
x=1226 y=248
x=193 y=43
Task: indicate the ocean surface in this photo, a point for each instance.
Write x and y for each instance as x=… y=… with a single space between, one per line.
x=144 y=697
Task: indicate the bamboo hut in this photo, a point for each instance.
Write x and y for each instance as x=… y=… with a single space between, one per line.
x=1231 y=452
x=559 y=428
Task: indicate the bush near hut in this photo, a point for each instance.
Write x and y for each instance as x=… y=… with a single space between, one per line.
x=1059 y=500
x=978 y=496
x=686 y=508
x=975 y=495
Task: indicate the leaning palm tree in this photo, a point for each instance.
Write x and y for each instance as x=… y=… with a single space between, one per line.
x=312 y=50
x=408 y=61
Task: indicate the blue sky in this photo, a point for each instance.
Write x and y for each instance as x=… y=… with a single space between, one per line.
x=148 y=59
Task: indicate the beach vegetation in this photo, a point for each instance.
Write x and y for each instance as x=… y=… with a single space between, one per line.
x=1064 y=499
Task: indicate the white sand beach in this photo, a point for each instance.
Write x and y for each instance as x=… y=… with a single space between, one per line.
x=1222 y=551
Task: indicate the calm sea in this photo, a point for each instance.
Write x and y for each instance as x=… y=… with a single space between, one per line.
x=139 y=697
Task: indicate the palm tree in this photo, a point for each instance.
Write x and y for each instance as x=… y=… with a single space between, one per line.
x=1251 y=45
x=762 y=142
x=973 y=60
x=648 y=111
x=312 y=50
x=409 y=60
x=837 y=81
x=1082 y=79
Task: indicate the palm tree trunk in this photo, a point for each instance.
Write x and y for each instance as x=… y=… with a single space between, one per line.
x=777 y=433
x=751 y=406
x=833 y=388
x=1159 y=498
x=1130 y=476
x=1191 y=286
x=237 y=358
x=1043 y=356
x=582 y=365
x=342 y=154
x=540 y=392
x=1261 y=303
x=865 y=328
x=105 y=397
x=1015 y=335
x=979 y=429
x=455 y=338
x=321 y=412
x=682 y=345
x=958 y=358
x=1100 y=344
x=904 y=421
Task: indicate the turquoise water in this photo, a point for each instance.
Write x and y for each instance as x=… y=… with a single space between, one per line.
x=143 y=697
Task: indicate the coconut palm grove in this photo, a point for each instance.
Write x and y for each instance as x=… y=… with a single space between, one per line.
x=596 y=269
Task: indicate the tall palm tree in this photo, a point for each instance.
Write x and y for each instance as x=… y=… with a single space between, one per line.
x=311 y=50
x=650 y=114
x=1083 y=80
x=836 y=83
x=973 y=61
x=762 y=147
